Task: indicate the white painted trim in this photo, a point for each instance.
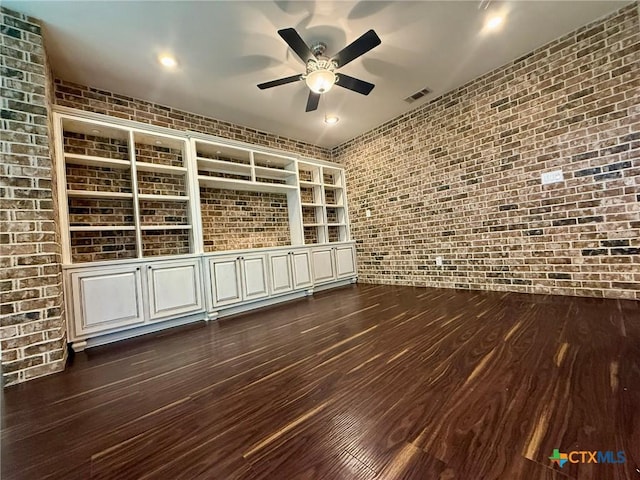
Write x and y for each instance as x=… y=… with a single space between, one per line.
x=61 y=182
x=264 y=302
x=137 y=331
x=124 y=261
x=187 y=134
x=191 y=162
x=136 y=195
x=108 y=121
x=339 y=283
x=242 y=145
x=127 y=261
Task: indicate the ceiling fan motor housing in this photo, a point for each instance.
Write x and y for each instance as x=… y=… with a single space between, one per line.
x=318 y=49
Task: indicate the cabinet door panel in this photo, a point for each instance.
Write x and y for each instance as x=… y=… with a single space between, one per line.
x=104 y=300
x=301 y=269
x=323 y=265
x=225 y=281
x=255 y=277
x=345 y=261
x=174 y=289
x=281 y=280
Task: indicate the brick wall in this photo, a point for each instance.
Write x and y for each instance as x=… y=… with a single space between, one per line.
x=32 y=327
x=234 y=220
x=460 y=176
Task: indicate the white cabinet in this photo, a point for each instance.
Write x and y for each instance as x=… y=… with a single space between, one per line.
x=254 y=277
x=114 y=302
x=174 y=288
x=290 y=271
x=238 y=278
x=345 y=261
x=106 y=299
x=331 y=263
x=281 y=274
x=225 y=280
x=301 y=267
x=323 y=265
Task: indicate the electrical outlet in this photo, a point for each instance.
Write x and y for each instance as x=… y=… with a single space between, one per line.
x=439 y=261
x=367 y=213
x=552 y=177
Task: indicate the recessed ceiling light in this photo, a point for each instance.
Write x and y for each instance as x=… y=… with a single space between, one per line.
x=158 y=142
x=95 y=130
x=331 y=119
x=494 y=22
x=167 y=61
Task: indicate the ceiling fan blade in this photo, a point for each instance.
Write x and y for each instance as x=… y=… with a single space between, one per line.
x=296 y=43
x=280 y=81
x=360 y=86
x=312 y=102
x=358 y=47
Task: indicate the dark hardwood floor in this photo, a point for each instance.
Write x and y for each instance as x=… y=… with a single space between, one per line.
x=363 y=382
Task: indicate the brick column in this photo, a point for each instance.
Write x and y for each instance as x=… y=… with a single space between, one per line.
x=32 y=326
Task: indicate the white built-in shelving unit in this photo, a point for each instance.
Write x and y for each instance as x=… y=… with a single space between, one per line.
x=230 y=167
x=323 y=202
x=129 y=199
x=106 y=168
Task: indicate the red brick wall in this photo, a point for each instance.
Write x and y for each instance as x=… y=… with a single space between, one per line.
x=460 y=176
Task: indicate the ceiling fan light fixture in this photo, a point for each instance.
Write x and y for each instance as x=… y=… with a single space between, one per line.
x=320 y=81
x=320 y=76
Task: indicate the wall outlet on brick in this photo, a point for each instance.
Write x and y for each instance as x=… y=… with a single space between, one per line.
x=552 y=177
x=439 y=261
x=367 y=213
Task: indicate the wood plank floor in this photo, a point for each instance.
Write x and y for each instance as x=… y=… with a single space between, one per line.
x=363 y=382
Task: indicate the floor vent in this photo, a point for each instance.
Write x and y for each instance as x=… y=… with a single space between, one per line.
x=417 y=95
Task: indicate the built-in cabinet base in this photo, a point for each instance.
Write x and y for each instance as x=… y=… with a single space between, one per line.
x=112 y=301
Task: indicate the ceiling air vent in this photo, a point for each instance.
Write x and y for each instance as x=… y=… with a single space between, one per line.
x=417 y=95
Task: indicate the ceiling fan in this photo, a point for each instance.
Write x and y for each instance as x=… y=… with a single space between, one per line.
x=320 y=75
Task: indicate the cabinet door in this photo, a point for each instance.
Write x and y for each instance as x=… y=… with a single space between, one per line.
x=323 y=270
x=280 y=267
x=301 y=269
x=254 y=274
x=174 y=288
x=225 y=281
x=345 y=261
x=105 y=299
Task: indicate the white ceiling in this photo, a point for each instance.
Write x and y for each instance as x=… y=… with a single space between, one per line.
x=225 y=49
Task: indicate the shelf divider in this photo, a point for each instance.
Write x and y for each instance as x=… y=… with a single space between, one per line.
x=168 y=198
x=245 y=185
x=158 y=168
x=101 y=228
x=165 y=227
x=94 y=161
x=98 y=194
